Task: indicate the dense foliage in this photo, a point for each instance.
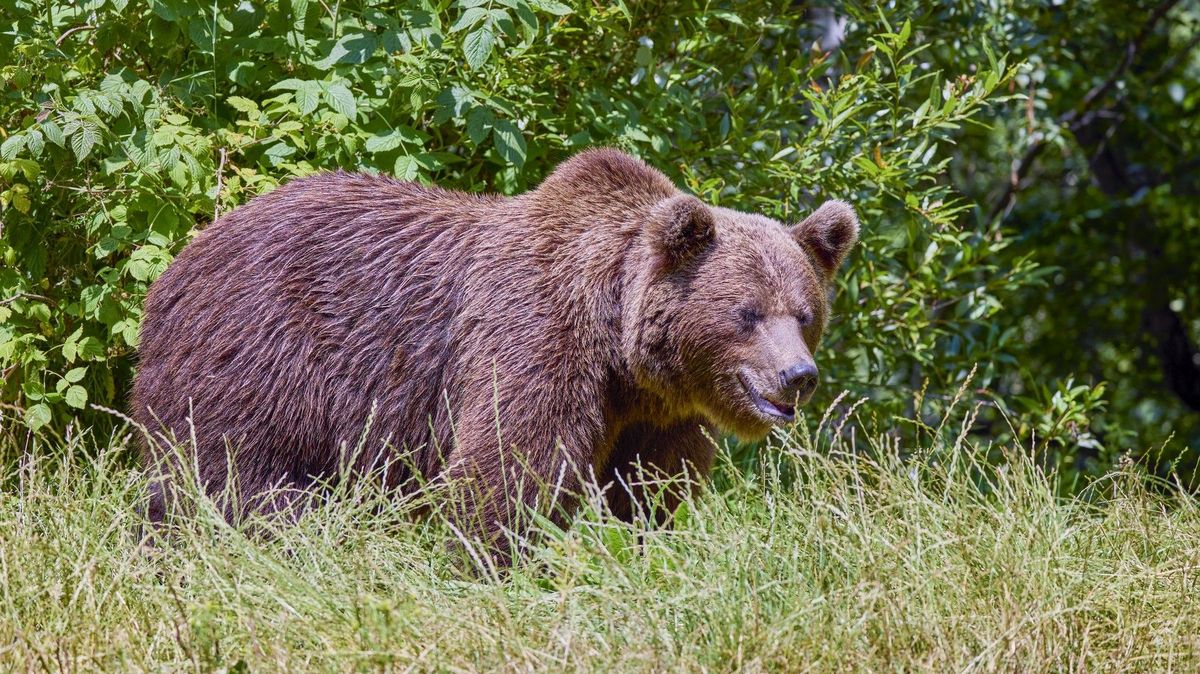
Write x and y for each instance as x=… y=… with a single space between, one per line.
x=1096 y=173
x=128 y=126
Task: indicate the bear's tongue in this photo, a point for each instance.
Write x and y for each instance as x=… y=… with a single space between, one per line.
x=781 y=406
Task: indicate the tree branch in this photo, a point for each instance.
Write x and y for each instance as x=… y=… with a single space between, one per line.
x=1081 y=114
x=1100 y=90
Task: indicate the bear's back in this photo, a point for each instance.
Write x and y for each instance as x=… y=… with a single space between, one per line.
x=280 y=326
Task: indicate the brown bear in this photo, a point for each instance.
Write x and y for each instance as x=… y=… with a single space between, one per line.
x=601 y=321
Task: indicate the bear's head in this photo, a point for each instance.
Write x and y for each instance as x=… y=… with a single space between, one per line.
x=730 y=308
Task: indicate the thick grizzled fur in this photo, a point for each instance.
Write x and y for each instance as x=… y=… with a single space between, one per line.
x=602 y=319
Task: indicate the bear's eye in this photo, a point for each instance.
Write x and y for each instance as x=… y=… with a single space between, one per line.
x=749 y=317
x=803 y=318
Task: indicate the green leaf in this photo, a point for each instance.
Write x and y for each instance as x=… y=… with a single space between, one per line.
x=290 y=84
x=478 y=46
x=11 y=146
x=90 y=348
x=130 y=333
x=728 y=16
x=242 y=104
x=35 y=142
x=280 y=151
x=33 y=390
x=479 y=123
x=341 y=100
x=37 y=416
x=510 y=142
x=75 y=374
x=468 y=19
x=54 y=133
x=407 y=168
x=147 y=263
x=350 y=48
x=308 y=96
x=76 y=396
x=390 y=140
x=83 y=140
x=552 y=6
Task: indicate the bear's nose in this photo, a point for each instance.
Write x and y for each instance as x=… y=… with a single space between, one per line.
x=800 y=378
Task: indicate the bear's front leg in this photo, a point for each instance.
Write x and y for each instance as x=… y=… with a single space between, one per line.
x=518 y=455
x=653 y=468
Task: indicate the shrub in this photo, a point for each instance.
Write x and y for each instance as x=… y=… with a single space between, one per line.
x=131 y=125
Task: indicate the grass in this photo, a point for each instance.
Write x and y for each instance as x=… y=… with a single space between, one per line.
x=831 y=556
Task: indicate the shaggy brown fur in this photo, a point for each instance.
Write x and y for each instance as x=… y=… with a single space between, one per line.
x=601 y=319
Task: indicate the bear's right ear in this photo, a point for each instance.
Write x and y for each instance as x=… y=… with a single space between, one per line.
x=682 y=227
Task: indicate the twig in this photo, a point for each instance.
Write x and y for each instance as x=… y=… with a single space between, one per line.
x=14 y=298
x=1131 y=49
x=76 y=29
x=220 y=186
x=1175 y=59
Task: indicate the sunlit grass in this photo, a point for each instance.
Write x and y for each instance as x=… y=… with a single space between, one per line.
x=830 y=556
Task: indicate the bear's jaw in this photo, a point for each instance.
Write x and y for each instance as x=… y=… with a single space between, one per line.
x=775 y=411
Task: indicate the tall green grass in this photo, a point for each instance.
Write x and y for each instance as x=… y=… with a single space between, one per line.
x=835 y=552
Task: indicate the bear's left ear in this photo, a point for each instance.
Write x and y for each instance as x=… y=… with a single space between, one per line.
x=828 y=234
x=683 y=226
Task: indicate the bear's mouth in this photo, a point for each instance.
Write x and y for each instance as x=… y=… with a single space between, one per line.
x=777 y=410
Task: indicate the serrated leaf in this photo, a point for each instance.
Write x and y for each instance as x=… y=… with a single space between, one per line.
x=147 y=262
x=76 y=396
x=83 y=140
x=510 y=142
x=390 y=140
x=477 y=46
x=479 y=123
x=11 y=146
x=280 y=150
x=383 y=142
x=341 y=100
x=469 y=19
x=75 y=374
x=37 y=416
x=529 y=21
x=108 y=104
x=394 y=40
x=350 y=48
x=35 y=142
x=54 y=133
x=33 y=390
x=407 y=168
x=501 y=19
x=290 y=84
x=130 y=334
x=553 y=6
x=105 y=247
x=242 y=104
x=307 y=97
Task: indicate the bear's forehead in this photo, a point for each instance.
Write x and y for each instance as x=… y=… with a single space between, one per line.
x=764 y=240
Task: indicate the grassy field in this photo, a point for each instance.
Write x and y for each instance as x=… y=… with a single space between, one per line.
x=834 y=557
